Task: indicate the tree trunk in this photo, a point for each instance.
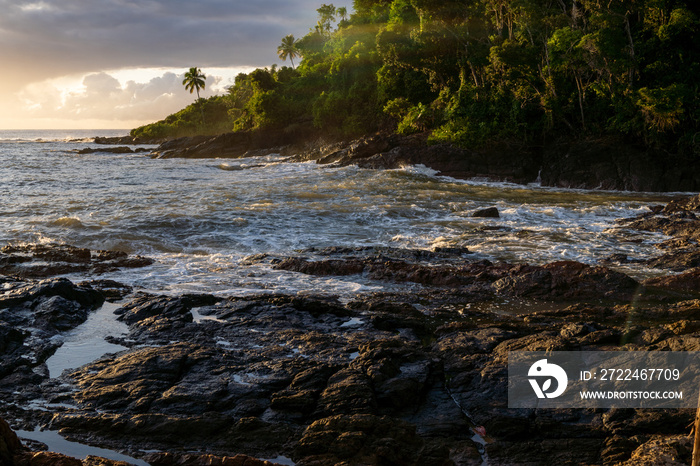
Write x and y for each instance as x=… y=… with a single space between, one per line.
x=201 y=110
x=579 y=87
x=629 y=37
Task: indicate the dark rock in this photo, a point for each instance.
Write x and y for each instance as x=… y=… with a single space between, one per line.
x=612 y=163
x=490 y=212
x=83 y=295
x=601 y=163
x=126 y=140
x=676 y=261
x=323 y=267
x=227 y=145
x=110 y=289
x=359 y=439
x=10 y=446
x=683 y=204
x=109 y=150
x=567 y=280
x=685 y=282
x=558 y=280
x=57 y=314
x=402 y=377
x=660 y=449
x=146 y=307
x=170 y=459
x=42 y=260
x=31 y=315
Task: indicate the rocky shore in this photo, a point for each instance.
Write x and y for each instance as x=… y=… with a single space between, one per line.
x=416 y=377
x=602 y=163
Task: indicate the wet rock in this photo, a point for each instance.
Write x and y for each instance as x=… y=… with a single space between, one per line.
x=567 y=280
x=111 y=150
x=683 y=204
x=564 y=280
x=482 y=340
x=137 y=380
x=359 y=439
x=362 y=148
x=615 y=163
x=32 y=316
x=57 y=314
x=680 y=220
x=36 y=292
x=666 y=451
x=685 y=282
x=125 y=140
x=146 y=306
x=13 y=453
x=42 y=260
x=44 y=458
x=227 y=145
x=387 y=378
x=170 y=459
x=10 y=446
x=92 y=460
x=111 y=290
x=677 y=260
x=490 y=212
x=349 y=391
x=322 y=267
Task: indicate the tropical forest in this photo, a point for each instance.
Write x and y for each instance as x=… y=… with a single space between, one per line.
x=474 y=72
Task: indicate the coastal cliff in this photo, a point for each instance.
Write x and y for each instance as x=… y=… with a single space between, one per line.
x=595 y=163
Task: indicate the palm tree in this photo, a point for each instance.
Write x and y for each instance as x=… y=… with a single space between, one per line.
x=288 y=48
x=194 y=81
x=342 y=12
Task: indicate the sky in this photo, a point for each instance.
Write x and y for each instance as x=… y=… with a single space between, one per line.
x=99 y=64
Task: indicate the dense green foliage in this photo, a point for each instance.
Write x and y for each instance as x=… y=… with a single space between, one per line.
x=188 y=121
x=474 y=71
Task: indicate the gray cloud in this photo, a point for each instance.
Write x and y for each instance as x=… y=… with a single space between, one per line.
x=42 y=39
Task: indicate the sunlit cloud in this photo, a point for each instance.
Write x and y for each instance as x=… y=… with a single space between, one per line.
x=123 y=95
x=46 y=43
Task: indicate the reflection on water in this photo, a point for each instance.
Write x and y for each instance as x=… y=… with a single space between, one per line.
x=56 y=443
x=87 y=342
x=201 y=218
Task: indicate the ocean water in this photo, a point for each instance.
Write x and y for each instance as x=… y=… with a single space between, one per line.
x=200 y=219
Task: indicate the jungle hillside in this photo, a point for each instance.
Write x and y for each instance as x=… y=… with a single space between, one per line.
x=473 y=72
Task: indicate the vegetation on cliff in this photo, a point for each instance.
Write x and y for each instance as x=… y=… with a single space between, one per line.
x=525 y=71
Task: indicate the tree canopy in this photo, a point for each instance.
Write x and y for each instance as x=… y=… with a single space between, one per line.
x=194 y=80
x=288 y=49
x=489 y=70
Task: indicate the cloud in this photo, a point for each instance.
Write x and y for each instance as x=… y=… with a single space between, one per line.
x=50 y=38
x=44 y=40
x=103 y=97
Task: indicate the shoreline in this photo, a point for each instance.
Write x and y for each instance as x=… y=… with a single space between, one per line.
x=607 y=163
x=406 y=378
